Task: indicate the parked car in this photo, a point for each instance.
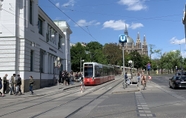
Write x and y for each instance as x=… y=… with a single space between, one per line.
x=177 y=81
x=181 y=73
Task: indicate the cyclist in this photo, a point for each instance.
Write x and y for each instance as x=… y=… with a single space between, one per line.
x=143 y=81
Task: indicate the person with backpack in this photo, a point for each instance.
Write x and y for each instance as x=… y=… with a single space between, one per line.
x=18 y=85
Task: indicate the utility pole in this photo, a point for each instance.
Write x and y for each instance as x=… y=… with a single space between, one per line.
x=151 y=51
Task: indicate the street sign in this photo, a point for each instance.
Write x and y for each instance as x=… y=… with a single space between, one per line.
x=122 y=38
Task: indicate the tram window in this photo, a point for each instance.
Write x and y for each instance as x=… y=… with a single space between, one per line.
x=97 y=71
x=88 y=70
x=104 y=71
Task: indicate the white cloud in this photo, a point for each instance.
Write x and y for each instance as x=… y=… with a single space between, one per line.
x=69 y=3
x=136 y=25
x=174 y=40
x=133 y=5
x=120 y=25
x=57 y=4
x=116 y=25
x=83 y=23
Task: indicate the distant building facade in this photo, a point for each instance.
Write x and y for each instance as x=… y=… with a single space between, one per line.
x=32 y=44
x=140 y=46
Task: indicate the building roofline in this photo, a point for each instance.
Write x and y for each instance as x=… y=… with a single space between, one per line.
x=49 y=20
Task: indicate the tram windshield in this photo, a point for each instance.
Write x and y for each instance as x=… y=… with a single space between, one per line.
x=88 y=70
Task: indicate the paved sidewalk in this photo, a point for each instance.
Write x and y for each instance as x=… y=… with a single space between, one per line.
x=45 y=90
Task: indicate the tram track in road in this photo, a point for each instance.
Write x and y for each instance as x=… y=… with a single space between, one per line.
x=33 y=104
x=46 y=101
x=81 y=107
x=29 y=100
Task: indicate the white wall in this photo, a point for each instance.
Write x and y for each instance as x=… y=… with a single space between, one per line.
x=19 y=37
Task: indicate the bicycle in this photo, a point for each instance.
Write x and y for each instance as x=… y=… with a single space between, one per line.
x=125 y=84
x=144 y=84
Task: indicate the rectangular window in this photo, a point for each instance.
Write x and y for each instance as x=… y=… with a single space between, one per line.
x=40 y=26
x=42 y=54
x=88 y=70
x=31 y=12
x=59 y=42
x=31 y=60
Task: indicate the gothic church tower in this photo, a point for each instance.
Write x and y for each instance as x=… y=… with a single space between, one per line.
x=130 y=46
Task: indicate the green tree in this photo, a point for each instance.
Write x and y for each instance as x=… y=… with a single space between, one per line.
x=95 y=51
x=113 y=54
x=172 y=58
x=136 y=58
x=77 y=54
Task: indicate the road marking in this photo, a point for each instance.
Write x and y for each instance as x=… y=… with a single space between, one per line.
x=142 y=107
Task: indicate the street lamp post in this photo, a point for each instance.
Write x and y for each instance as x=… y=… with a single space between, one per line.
x=123 y=40
x=80 y=64
x=181 y=59
x=176 y=68
x=130 y=65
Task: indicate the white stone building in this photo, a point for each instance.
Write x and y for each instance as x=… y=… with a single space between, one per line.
x=31 y=43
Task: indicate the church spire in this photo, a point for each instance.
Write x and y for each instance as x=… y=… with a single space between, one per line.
x=138 y=37
x=144 y=40
x=126 y=31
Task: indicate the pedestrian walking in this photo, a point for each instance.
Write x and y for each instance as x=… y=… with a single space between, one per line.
x=5 y=82
x=138 y=79
x=11 y=84
x=66 y=81
x=148 y=68
x=71 y=78
x=31 y=84
x=18 y=85
x=1 y=85
x=60 y=77
x=127 y=80
x=76 y=76
x=63 y=78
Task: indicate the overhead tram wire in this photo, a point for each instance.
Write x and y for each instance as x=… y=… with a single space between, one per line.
x=159 y=18
x=134 y=18
x=72 y=20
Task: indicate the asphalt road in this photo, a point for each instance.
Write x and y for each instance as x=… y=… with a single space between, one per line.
x=108 y=100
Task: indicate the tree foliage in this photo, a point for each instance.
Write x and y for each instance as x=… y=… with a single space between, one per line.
x=137 y=59
x=113 y=54
x=77 y=54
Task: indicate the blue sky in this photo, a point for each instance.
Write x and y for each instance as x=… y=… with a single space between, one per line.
x=104 y=20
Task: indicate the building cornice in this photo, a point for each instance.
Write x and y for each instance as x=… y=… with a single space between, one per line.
x=49 y=20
